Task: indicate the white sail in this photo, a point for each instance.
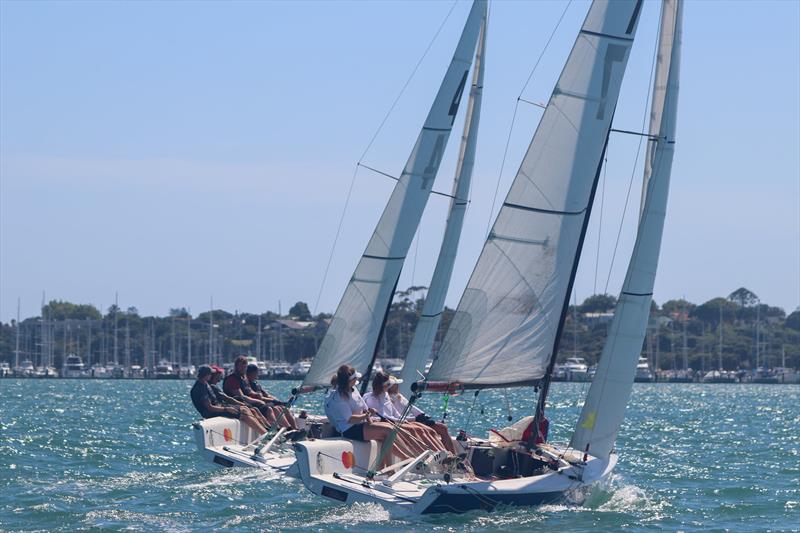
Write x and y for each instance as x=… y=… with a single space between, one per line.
x=356 y=325
x=504 y=329
x=428 y=324
x=605 y=404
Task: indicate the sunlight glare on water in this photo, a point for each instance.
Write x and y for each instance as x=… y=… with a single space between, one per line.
x=85 y=455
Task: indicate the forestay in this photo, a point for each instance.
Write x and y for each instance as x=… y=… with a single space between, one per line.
x=605 y=404
x=504 y=329
x=428 y=324
x=354 y=330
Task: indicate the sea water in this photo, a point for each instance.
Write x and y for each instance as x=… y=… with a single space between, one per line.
x=78 y=455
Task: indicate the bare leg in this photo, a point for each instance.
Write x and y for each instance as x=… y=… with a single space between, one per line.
x=250 y=421
x=444 y=435
x=379 y=431
x=428 y=435
x=258 y=416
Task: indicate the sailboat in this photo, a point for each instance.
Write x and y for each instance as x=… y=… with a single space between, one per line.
x=509 y=320
x=354 y=334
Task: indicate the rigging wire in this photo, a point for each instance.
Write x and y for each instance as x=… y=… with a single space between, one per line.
x=369 y=145
x=645 y=114
x=514 y=116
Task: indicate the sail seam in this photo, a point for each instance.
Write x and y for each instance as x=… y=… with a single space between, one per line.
x=384 y=257
x=544 y=211
x=435 y=129
x=637 y=293
x=606 y=35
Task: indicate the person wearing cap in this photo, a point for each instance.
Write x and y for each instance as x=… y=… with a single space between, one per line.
x=415 y=413
x=351 y=418
x=207 y=405
x=224 y=399
x=284 y=414
x=379 y=400
x=236 y=386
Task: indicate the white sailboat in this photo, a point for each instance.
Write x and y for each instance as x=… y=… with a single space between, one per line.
x=506 y=328
x=355 y=329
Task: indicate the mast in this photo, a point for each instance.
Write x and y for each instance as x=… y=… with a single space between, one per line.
x=116 y=313
x=211 y=332
x=89 y=342
x=719 y=349
x=43 y=335
x=189 y=339
x=16 y=347
x=428 y=324
x=685 y=319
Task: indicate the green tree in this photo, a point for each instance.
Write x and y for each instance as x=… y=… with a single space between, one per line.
x=300 y=310
x=793 y=321
x=598 y=303
x=743 y=297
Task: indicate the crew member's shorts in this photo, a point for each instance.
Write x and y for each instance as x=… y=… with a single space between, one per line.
x=355 y=432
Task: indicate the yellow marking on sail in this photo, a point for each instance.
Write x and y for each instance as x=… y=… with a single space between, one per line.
x=590 y=420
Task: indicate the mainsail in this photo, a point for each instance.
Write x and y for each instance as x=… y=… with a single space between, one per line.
x=356 y=325
x=505 y=327
x=605 y=404
x=428 y=324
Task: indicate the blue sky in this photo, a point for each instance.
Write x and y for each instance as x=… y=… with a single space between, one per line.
x=172 y=151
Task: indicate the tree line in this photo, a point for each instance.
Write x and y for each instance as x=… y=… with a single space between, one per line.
x=680 y=332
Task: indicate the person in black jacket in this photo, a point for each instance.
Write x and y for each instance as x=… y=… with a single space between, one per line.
x=207 y=404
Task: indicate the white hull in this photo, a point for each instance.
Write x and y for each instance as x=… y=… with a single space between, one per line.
x=224 y=442
x=322 y=469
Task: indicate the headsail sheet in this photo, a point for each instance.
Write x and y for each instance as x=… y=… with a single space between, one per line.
x=505 y=326
x=428 y=324
x=354 y=330
x=605 y=404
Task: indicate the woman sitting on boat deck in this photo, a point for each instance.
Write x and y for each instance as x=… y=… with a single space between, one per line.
x=415 y=413
x=378 y=399
x=350 y=416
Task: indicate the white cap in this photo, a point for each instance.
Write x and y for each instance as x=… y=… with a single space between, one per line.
x=357 y=375
x=394 y=381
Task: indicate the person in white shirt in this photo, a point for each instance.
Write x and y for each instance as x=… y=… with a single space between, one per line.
x=423 y=436
x=350 y=416
x=399 y=402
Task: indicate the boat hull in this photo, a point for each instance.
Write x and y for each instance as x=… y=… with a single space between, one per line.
x=333 y=468
x=223 y=442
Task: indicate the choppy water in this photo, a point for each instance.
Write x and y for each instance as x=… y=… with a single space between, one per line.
x=92 y=455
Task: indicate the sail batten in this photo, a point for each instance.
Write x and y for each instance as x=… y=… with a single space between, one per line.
x=428 y=323
x=356 y=325
x=605 y=404
x=504 y=329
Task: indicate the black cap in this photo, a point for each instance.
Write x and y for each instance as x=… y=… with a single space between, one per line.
x=204 y=371
x=252 y=368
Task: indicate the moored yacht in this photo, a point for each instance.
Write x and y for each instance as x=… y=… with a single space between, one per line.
x=74 y=367
x=643 y=372
x=165 y=370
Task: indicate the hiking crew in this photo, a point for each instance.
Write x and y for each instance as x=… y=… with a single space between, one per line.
x=237 y=386
x=400 y=402
x=350 y=416
x=379 y=400
x=207 y=404
x=284 y=414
